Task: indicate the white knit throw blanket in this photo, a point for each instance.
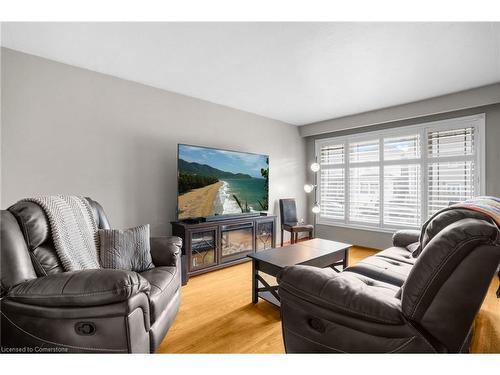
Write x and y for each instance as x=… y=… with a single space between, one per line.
x=74 y=230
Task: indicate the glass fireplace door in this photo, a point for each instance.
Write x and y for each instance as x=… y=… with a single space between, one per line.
x=264 y=235
x=236 y=241
x=203 y=248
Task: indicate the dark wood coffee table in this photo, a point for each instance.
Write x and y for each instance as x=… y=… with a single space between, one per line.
x=316 y=252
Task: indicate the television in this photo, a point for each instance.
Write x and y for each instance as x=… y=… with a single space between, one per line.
x=213 y=182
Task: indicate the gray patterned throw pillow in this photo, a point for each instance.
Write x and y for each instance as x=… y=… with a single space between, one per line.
x=127 y=249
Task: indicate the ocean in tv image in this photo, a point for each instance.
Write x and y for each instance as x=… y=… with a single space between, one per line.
x=219 y=182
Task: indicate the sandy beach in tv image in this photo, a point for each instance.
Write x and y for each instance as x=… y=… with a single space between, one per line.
x=218 y=182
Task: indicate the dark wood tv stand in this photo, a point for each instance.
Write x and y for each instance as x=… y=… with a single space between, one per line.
x=211 y=245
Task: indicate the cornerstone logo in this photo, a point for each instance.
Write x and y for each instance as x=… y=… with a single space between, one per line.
x=36 y=349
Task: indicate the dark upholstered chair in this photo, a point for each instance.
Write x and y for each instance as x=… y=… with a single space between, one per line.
x=393 y=301
x=290 y=222
x=99 y=310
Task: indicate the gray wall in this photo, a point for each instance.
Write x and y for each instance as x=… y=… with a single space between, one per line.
x=67 y=130
x=477 y=97
x=72 y=131
x=380 y=240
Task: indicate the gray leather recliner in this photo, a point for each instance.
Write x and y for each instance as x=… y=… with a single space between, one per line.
x=44 y=309
x=393 y=301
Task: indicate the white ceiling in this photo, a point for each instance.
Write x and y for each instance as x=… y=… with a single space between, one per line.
x=295 y=72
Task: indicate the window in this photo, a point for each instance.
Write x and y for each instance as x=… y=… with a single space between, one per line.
x=451 y=173
x=398 y=178
x=332 y=181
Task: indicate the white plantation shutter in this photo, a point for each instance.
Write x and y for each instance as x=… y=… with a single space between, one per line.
x=399 y=177
x=364 y=193
x=332 y=154
x=364 y=181
x=445 y=143
x=451 y=170
x=332 y=181
x=332 y=193
x=402 y=181
x=450 y=182
x=364 y=151
x=402 y=147
x=402 y=196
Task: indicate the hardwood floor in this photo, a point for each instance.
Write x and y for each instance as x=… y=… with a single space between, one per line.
x=486 y=337
x=217 y=316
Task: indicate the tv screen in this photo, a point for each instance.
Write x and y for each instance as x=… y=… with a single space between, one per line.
x=220 y=182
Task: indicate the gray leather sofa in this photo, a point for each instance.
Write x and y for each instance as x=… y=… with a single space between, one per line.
x=393 y=301
x=44 y=309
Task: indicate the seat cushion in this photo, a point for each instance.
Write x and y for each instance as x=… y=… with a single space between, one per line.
x=80 y=288
x=298 y=227
x=347 y=293
x=165 y=282
x=400 y=254
x=383 y=269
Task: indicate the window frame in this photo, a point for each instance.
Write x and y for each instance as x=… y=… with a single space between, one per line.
x=477 y=121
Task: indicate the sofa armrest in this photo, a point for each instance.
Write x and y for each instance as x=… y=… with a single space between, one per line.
x=80 y=288
x=165 y=251
x=346 y=293
x=405 y=237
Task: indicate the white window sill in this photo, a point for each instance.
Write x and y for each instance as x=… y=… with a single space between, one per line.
x=333 y=223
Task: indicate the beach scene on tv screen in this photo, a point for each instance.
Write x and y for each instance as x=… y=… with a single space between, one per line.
x=219 y=182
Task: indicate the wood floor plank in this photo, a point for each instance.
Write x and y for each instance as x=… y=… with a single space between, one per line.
x=486 y=337
x=217 y=316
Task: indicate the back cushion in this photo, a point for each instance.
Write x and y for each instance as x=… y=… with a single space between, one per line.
x=288 y=211
x=35 y=228
x=446 y=218
x=36 y=231
x=16 y=266
x=99 y=215
x=439 y=258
